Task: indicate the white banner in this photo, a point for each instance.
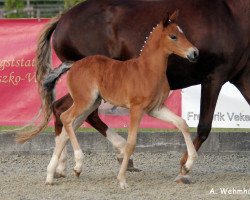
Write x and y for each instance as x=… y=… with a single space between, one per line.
x=232 y=110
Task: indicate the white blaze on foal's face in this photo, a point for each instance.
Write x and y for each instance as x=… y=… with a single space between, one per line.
x=179 y=29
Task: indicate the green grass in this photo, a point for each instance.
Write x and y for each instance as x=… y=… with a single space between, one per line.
x=51 y=129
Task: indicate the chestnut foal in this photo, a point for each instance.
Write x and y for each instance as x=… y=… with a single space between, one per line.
x=138 y=84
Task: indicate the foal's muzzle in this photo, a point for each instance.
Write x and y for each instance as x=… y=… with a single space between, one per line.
x=193 y=54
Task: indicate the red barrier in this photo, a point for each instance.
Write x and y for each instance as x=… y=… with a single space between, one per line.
x=19 y=100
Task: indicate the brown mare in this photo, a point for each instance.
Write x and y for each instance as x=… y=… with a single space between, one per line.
x=138 y=84
x=218 y=28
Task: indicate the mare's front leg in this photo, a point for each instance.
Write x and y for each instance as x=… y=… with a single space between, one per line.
x=165 y=114
x=135 y=118
x=242 y=82
x=210 y=90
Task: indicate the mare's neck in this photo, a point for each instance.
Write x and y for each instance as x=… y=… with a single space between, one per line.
x=239 y=7
x=153 y=55
x=240 y=10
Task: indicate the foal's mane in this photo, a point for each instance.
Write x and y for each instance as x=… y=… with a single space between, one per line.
x=166 y=21
x=146 y=39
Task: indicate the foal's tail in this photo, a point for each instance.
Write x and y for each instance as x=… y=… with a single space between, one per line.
x=43 y=67
x=50 y=81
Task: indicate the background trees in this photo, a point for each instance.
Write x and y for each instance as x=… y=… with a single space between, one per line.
x=34 y=8
x=70 y=3
x=14 y=8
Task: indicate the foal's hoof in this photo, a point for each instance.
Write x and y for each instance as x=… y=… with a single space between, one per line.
x=130 y=167
x=49 y=183
x=59 y=175
x=77 y=174
x=183 y=179
x=123 y=185
x=49 y=180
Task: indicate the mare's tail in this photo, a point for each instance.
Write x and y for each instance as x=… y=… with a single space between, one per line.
x=43 y=67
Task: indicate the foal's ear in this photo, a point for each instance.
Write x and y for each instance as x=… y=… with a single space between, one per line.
x=174 y=16
x=170 y=18
x=166 y=20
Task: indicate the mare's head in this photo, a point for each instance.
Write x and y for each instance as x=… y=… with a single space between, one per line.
x=175 y=41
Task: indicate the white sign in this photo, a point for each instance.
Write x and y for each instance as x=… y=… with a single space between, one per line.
x=232 y=110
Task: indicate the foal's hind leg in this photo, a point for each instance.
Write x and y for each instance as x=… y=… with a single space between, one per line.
x=84 y=108
x=94 y=120
x=60 y=145
x=166 y=115
x=57 y=165
x=60 y=169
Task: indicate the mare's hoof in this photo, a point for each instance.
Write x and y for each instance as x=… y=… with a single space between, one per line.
x=133 y=169
x=77 y=174
x=183 y=179
x=130 y=167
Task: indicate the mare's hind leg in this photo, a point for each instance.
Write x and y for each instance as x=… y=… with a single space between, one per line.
x=135 y=118
x=166 y=115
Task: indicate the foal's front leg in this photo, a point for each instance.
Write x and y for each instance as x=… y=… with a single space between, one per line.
x=135 y=118
x=165 y=114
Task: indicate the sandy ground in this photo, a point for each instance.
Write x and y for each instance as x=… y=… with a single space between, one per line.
x=22 y=177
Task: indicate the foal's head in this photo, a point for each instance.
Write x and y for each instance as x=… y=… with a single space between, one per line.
x=174 y=40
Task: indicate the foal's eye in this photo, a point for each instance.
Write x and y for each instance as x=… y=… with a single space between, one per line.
x=173 y=37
